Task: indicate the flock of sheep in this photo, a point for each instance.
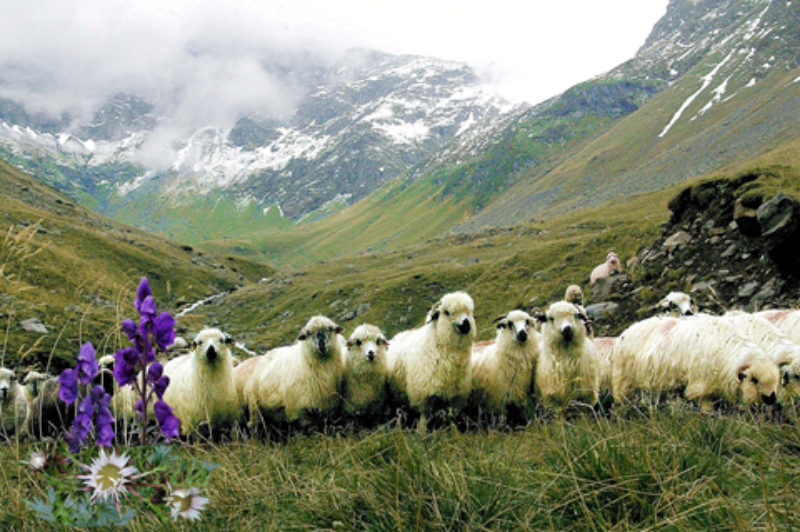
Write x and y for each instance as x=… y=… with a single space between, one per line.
x=438 y=371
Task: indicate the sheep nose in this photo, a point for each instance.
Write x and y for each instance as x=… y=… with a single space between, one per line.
x=4 y=392
x=567 y=333
x=464 y=327
x=522 y=336
x=211 y=354
x=322 y=343
x=371 y=355
x=769 y=399
x=688 y=313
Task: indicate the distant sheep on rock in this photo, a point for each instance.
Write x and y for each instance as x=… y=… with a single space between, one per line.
x=610 y=267
x=677 y=304
x=429 y=367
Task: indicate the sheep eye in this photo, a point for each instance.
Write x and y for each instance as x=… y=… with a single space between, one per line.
x=755 y=380
x=358 y=343
x=446 y=312
x=550 y=319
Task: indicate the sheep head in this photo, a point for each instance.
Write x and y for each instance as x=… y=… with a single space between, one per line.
x=367 y=345
x=211 y=346
x=453 y=314
x=33 y=384
x=564 y=322
x=677 y=303
x=320 y=333
x=8 y=380
x=789 y=367
x=517 y=324
x=758 y=381
x=574 y=294
x=612 y=259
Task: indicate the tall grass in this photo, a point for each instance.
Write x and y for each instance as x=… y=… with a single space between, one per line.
x=680 y=471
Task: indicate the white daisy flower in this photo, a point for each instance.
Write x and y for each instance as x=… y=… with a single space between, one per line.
x=37 y=461
x=108 y=475
x=186 y=503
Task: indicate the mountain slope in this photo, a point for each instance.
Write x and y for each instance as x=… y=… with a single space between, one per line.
x=76 y=272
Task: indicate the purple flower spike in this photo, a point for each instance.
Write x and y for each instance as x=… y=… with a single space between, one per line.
x=125 y=361
x=73 y=440
x=160 y=386
x=103 y=422
x=129 y=326
x=142 y=293
x=155 y=371
x=87 y=364
x=166 y=420
x=68 y=391
x=163 y=330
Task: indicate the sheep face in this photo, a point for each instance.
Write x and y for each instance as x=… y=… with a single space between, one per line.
x=677 y=303
x=453 y=316
x=32 y=384
x=790 y=377
x=574 y=294
x=518 y=324
x=210 y=347
x=320 y=334
x=367 y=345
x=758 y=381
x=8 y=380
x=564 y=323
x=613 y=262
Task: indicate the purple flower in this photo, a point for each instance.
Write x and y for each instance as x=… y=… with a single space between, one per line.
x=160 y=386
x=103 y=422
x=142 y=293
x=163 y=330
x=68 y=390
x=87 y=364
x=125 y=361
x=129 y=326
x=155 y=371
x=73 y=440
x=166 y=420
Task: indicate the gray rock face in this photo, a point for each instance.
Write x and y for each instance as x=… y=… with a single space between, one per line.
x=780 y=227
x=33 y=325
x=681 y=238
x=598 y=311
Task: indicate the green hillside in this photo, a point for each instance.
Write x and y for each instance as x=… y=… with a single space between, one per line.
x=76 y=272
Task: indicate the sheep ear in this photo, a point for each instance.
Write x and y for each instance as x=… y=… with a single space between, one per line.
x=350 y=343
x=433 y=314
x=541 y=318
x=302 y=336
x=382 y=341
x=502 y=324
x=338 y=329
x=228 y=339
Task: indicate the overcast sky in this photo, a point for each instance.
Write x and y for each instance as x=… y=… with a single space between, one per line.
x=69 y=55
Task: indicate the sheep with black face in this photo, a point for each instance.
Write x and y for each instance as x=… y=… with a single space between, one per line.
x=677 y=304
x=201 y=389
x=429 y=367
x=502 y=370
x=568 y=367
x=298 y=383
x=364 y=391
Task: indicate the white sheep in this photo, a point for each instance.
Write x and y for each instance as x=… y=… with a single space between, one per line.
x=574 y=295
x=787 y=320
x=607 y=269
x=502 y=370
x=677 y=304
x=605 y=347
x=774 y=342
x=13 y=407
x=201 y=390
x=568 y=364
x=364 y=384
x=704 y=357
x=429 y=367
x=297 y=383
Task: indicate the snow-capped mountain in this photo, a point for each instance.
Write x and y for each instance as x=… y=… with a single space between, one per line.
x=357 y=124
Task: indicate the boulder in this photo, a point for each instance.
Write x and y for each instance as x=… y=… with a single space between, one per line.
x=680 y=238
x=598 y=311
x=779 y=219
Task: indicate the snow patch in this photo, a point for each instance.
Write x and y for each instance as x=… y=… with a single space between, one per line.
x=404 y=132
x=707 y=79
x=466 y=124
x=718 y=93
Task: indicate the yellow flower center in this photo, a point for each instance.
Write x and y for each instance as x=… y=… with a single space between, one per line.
x=108 y=477
x=184 y=503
